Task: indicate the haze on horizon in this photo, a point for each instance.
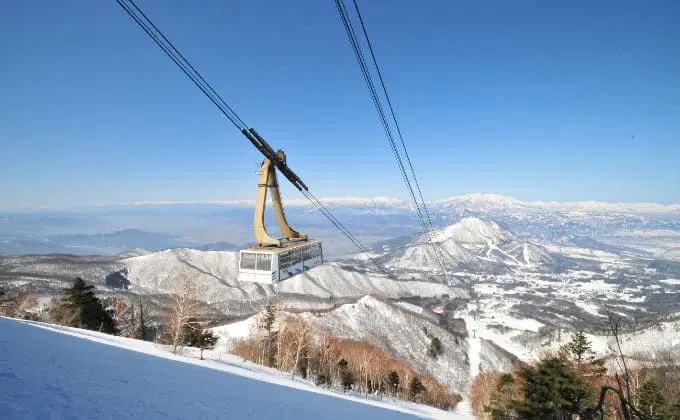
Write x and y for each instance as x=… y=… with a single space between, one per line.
x=564 y=102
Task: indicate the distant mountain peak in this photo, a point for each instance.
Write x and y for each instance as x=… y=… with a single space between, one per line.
x=474 y=231
x=480 y=197
x=473 y=201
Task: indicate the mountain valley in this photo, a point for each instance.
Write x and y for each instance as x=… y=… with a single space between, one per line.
x=518 y=279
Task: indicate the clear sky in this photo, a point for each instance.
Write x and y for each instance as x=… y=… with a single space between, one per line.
x=570 y=100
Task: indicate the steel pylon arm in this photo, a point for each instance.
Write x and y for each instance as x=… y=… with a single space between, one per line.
x=268 y=181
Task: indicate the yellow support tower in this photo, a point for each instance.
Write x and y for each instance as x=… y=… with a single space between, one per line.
x=267 y=180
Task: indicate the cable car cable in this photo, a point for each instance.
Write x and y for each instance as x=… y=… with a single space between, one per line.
x=394 y=118
x=167 y=46
x=362 y=64
x=377 y=103
x=344 y=15
x=190 y=71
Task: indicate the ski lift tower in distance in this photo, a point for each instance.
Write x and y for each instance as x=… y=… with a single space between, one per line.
x=272 y=260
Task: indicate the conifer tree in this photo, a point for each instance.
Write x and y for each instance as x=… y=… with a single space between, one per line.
x=133 y=321
x=651 y=401
x=82 y=309
x=500 y=404
x=393 y=381
x=269 y=317
x=346 y=376
x=552 y=390
x=9 y=302
x=579 y=348
x=5 y=302
x=271 y=335
x=203 y=339
x=416 y=388
x=435 y=348
x=143 y=333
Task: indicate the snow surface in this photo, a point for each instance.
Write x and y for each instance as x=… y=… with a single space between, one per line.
x=475 y=231
x=671 y=281
x=474 y=200
x=330 y=280
x=519 y=337
x=401 y=333
x=396 y=329
x=58 y=372
x=472 y=244
x=496 y=200
x=230 y=333
x=216 y=272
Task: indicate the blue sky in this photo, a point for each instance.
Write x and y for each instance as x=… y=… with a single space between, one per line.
x=538 y=100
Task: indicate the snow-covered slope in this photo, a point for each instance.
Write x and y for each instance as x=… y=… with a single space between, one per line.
x=160 y=272
x=472 y=230
x=528 y=253
x=57 y=372
x=331 y=280
x=403 y=330
x=487 y=202
x=402 y=334
x=472 y=244
x=424 y=257
x=472 y=201
x=216 y=272
x=528 y=339
x=144 y=270
x=396 y=330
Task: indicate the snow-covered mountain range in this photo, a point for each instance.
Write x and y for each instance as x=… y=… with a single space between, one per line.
x=475 y=201
x=219 y=225
x=519 y=276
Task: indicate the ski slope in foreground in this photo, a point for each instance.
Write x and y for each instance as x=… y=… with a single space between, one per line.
x=49 y=371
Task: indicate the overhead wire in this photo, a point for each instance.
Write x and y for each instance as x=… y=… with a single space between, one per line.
x=190 y=71
x=359 y=55
x=169 y=49
x=334 y=220
x=394 y=117
x=376 y=100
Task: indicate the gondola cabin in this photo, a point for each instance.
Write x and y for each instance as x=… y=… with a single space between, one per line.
x=273 y=260
x=273 y=264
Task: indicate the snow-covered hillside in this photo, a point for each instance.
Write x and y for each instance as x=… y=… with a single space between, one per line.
x=216 y=272
x=423 y=256
x=401 y=332
x=472 y=244
x=529 y=339
x=472 y=230
x=494 y=201
x=58 y=372
x=472 y=200
x=511 y=295
x=219 y=225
